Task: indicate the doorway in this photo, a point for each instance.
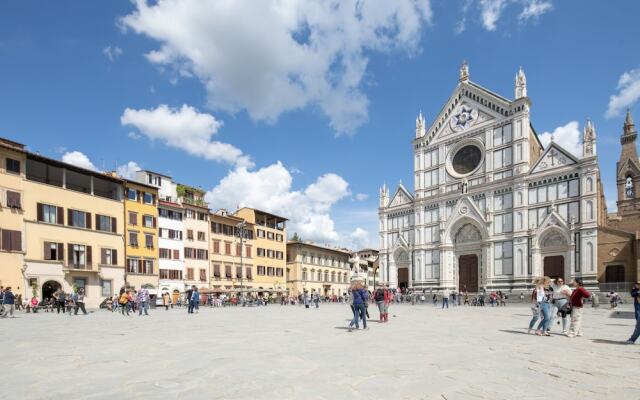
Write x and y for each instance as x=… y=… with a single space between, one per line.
x=403 y=278
x=49 y=288
x=468 y=273
x=614 y=274
x=554 y=267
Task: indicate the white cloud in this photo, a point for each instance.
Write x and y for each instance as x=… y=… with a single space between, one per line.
x=128 y=170
x=112 y=52
x=491 y=11
x=78 y=159
x=281 y=55
x=534 y=9
x=359 y=238
x=567 y=136
x=270 y=189
x=361 y=196
x=185 y=129
x=628 y=93
x=134 y=135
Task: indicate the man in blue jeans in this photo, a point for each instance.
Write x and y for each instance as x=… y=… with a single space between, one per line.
x=360 y=298
x=635 y=294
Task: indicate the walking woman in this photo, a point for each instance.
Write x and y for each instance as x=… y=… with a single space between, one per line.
x=541 y=301
x=165 y=301
x=561 y=295
x=577 y=299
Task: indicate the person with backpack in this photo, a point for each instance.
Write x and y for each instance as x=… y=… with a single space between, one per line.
x=360 y=298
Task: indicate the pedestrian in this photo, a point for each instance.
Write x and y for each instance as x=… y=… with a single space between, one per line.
x=305 y=299
x=577 y=303
x=33 y=304
x=115 y=302
x=560 y=302
x=445 y=297
x=434 y=299
x=79 y=302
x=60 y=299
x=123 y=301
x=195 y=300
x=143 y=300
x=542 y=301
x=379 y=299
x=466 y=298
x=316 y=300
x=18 y=301
x=187 y=297
x=360 y=299
x=635 y=294
x=8 y=302
x=165 y=301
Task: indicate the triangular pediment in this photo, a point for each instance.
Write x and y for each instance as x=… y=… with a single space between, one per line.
x=553 y=219
x=401 y=197
x=400 y=243
x=465 y=211
x=553 y=157
x=628 y=165
x=468 y=107
x=553 y=230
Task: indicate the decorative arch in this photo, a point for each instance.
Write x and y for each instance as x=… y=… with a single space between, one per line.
x=467 y=233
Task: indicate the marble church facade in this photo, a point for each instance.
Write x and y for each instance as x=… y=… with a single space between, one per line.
x=491 y=208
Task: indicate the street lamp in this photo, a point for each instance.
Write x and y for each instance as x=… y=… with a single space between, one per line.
x=240 y=228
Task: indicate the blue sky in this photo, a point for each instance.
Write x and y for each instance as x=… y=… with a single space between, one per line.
x=303 y=109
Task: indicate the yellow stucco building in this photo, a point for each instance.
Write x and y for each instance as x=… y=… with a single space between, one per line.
x=73 y=224
x=317 y=269
x=229 y=271
x=12 y=170
x=270 y=244
x=141 y=235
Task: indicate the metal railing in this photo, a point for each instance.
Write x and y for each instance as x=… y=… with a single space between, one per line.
x=615 y=286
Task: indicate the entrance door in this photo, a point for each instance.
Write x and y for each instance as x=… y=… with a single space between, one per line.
x=49 y=288
x=614 y=274
x=554 y=267
x=468 y=273
x=403 y=278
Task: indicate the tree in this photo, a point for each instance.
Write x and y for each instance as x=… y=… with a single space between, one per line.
x=296 y=238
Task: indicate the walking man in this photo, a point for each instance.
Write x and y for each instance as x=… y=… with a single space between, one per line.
x=445 y=298
x=636 y=298
x=195 y=299
x=60 y=300
x=9 y=302
x=80 y=302
x=143 y=299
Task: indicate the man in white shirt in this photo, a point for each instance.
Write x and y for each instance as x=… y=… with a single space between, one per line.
x=445 y=298
x=561 y=296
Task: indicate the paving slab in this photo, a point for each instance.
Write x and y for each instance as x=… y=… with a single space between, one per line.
x=290 y=352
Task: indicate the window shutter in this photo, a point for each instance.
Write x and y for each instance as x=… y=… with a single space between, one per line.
x=60 y=251
x=16 y=241
x=97 y=221
x=103 y=256
x=176 y=254
x=40 y=212
x=154 y=222
x=60 y=218
x=6 y=240
x=69 y=254
x=89 y=262
x=114 y=224
x=87 y=218
x=69 y=217
x=47 y=250
x=114 y=257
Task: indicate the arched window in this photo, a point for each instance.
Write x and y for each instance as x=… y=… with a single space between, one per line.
x=304 y=274
x=589 y=184
x=590 y=256
x=326 y=276
x=589 y=209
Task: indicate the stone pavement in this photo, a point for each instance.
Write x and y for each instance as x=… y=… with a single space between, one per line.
x=293 y=353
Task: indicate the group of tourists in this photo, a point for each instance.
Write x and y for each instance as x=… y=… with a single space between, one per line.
x=130 y=300
x=555 y=299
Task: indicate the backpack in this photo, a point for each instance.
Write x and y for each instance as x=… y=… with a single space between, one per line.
x=379 y=295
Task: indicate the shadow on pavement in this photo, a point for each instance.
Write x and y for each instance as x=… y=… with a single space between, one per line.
x=623 y=314
x=511 y=331
x=606 y=341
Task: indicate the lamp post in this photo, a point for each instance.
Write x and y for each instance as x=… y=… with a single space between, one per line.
x=240 y=232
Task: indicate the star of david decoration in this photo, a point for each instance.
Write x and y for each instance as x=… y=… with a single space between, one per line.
x=465 y=117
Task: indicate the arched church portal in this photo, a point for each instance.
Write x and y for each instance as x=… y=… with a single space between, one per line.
x=467 y=242
x=554 y=247
x=402 y=261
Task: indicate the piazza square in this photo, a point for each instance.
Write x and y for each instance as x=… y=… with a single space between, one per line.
x=424 y=352
x=326 y=199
